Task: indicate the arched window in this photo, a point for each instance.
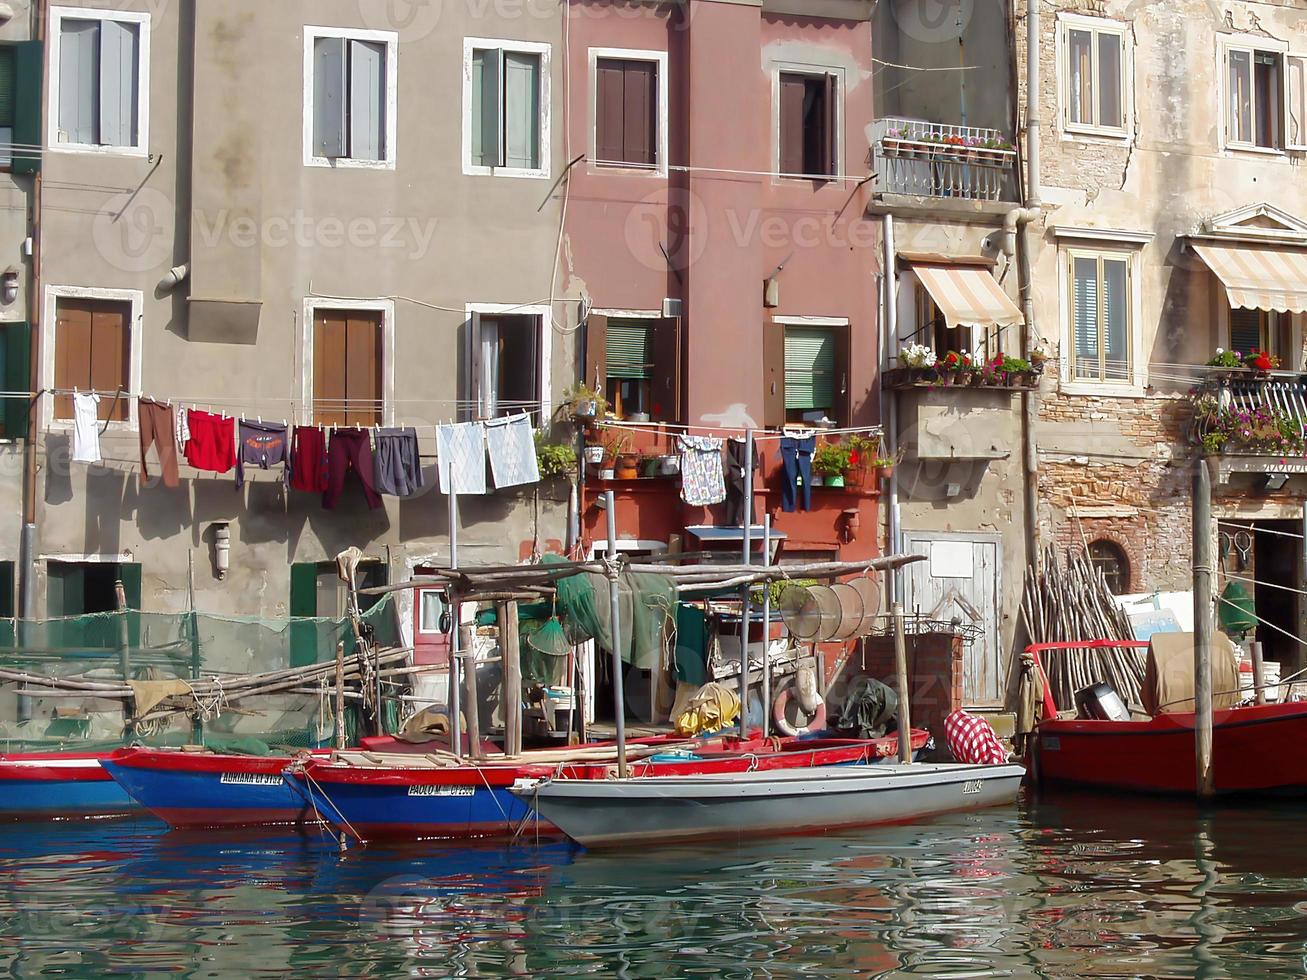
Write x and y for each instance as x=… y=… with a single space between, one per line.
x=1110 y=558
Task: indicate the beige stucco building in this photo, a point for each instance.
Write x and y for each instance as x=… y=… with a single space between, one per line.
x=224 y=181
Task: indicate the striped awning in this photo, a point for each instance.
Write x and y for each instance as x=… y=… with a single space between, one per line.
x=1259 y=278
x=968 y=296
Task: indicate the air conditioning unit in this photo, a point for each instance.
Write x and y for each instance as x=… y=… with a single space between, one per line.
x=671 y=307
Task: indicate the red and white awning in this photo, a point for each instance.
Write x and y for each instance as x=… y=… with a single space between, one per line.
x=1259 y=278
x=968 y=295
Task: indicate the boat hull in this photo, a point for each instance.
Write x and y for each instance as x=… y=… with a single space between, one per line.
x=661 y=810
x=52 y=785
x=475 y=801
x=210 y=790
x=1253 y=752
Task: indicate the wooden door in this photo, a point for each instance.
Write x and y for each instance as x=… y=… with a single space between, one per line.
x=960 y=579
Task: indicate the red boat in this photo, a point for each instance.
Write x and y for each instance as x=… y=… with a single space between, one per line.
x=1255 y=749
x=55 y=785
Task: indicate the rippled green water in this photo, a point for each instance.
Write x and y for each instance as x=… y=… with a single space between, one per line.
x=1068 y=887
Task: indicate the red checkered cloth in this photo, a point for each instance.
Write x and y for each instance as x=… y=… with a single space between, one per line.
x=971 y=739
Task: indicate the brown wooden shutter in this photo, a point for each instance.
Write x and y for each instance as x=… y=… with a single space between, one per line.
x=639 y=115
x=72 y=352
x=791 y=124
x=608 y=109
x=363 y=369
x=843 y=407
x=665 y=376
x=594 y=373
x=773 y=372
x=110 y=349
x=329 y=352
x=830 y=122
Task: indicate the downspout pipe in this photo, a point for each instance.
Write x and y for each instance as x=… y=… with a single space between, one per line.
x=1023 y=220
x=889 y=343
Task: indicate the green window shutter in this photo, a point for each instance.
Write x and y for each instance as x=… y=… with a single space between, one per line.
x=809 y=368
x=130 y=573
x=16 y=375
x=6 y=590
x=8 y=68
x=628 y=350
x=29 y=71
x=303 y=603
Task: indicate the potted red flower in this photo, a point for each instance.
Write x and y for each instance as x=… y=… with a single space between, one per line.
x=1261 y=361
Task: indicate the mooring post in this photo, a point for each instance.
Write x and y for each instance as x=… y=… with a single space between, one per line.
x=901 y=679
x=746 y=610
x=615 y=624
x=1204 y=630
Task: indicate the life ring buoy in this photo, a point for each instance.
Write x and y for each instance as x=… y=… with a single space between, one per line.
x=816 y=720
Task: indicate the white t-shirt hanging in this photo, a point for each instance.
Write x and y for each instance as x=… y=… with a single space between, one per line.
x=86 y=428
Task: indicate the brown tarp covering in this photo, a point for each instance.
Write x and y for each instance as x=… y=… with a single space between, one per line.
x=149 y=694
x=1169 y=674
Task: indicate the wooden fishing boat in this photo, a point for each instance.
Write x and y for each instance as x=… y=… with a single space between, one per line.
x=53 y=785
x=805 y=800
x=400 y=799
x=1252 y=746
x=1252 y=752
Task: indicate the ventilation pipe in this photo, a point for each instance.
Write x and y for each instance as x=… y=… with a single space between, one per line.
x=175 y=277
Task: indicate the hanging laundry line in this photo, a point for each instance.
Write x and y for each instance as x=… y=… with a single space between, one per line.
x=713 y=430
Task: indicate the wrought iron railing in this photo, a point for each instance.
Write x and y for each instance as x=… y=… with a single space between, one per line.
x=1238 y=413
x=927 y=159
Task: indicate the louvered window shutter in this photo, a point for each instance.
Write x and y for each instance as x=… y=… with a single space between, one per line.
x=809 y=368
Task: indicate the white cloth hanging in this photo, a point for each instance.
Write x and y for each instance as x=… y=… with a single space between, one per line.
x=512 y=447
x=703 y=479
x=461 y=458
x=181 y=419
x=86 y=428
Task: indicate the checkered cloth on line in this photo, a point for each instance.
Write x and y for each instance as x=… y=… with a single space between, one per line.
x=972 y=739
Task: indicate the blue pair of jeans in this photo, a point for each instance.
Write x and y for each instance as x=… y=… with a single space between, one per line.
x=796 y=455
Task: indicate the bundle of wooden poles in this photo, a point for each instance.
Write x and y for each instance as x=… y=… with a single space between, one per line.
x=210 y=690
x=1069 y=601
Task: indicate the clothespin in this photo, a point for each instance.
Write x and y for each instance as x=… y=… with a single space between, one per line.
x=260 y=418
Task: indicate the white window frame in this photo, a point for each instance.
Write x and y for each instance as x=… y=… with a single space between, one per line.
x=1066 y=23
x=391 y=40
x=659 y=58
x=1135 y=386
x=1252 y=44
x=141 y=148
x=779 y=68
x=50 y=324
x=544 y=351
x=387 y=309
x=444 y=598
x=544 y=50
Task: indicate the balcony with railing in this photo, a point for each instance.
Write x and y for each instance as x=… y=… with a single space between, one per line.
x=923 y=159
x=1252 y=421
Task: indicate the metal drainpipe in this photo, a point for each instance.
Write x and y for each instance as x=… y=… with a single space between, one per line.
x=890 y=400
x=1023 y=219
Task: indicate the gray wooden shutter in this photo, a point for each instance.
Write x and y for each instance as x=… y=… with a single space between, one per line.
x=475 y=367
x=329 y=97
x=367 y=100
x=118 y=82
x=79 y=80
x=491 y=113
x=1085 y=316
x=639 y=126
x=791 y=124
x=609 y=86
x=521 y=110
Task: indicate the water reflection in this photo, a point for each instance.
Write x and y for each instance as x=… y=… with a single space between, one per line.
x=1064 y=887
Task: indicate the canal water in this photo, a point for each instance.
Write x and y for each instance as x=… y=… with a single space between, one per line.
x=1063 y=887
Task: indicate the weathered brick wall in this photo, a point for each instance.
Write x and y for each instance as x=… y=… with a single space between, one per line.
x=1144 y=474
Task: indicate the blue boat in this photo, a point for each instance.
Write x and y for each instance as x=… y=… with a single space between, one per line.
x=55 y=785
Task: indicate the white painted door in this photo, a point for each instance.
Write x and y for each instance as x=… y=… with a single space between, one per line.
x=959 y=579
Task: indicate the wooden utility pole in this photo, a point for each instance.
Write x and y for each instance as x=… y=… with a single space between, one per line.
x=901 y=679
x=340 y=695
x=1204 y=630
x=615 y=624
x=511 y=662
x=471 y=700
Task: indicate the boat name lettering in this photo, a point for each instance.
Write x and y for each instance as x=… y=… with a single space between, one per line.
x=971 y=787
x=442 y=791
x=251 y=779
